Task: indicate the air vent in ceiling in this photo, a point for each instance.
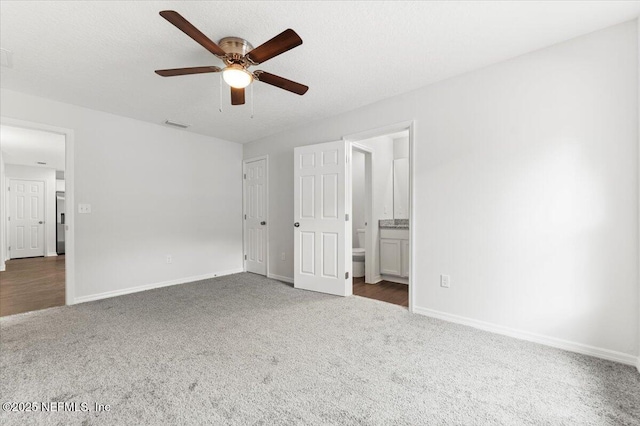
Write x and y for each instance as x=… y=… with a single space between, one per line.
x=176 y=124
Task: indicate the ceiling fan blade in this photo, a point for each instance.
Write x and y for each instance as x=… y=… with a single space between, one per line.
x=284 y=41
x=283 y=83
x=237 y=96
x=186 y=27
x=184 y=71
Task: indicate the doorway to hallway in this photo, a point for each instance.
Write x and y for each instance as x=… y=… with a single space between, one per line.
x=36 y=178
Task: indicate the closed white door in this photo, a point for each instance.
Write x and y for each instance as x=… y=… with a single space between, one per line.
x=320 y=223
x=26 y=218
x=255 y=223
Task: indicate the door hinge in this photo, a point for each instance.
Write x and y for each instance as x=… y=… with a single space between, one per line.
x=346 y=275
x=245 y=175
x=245 y=257
x=245 y=217
x=346 y=217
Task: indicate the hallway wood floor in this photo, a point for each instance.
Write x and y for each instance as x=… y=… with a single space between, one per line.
x=32 y=284
x=386 y=291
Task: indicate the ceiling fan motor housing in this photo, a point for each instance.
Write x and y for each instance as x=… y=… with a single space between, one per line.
x=235 y=48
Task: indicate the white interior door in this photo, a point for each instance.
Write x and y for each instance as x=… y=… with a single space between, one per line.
x=255 y=223
x=320 y=223
x=26 y=218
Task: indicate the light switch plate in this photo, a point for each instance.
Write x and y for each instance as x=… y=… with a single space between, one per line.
x=84 y=208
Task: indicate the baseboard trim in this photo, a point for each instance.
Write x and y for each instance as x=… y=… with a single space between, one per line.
x=394 y=279
x=376 y=279
x=3 y=267
x=280 y=278
x=137 y=289
x=532 y=337
x=51 y=254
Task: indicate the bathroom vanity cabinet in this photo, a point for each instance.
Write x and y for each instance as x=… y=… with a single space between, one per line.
x=394 y=252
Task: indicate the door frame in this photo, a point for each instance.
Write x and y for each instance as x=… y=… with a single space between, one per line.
x=45 y=240
x=385 y=130
x=244 y=209
x=69 y=177
x=370 y=275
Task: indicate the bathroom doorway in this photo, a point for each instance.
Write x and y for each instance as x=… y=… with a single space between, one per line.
x=380 y=199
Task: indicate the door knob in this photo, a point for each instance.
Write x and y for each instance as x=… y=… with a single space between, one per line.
x=263 y=223
x=41 y=222
x=297 y=224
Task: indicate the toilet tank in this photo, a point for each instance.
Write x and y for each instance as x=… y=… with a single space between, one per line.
x=361 y=236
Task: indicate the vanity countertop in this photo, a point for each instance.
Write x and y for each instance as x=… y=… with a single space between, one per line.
x=394 y=223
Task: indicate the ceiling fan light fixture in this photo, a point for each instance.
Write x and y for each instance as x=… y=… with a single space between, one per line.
x=238 y=55
x=236 y=76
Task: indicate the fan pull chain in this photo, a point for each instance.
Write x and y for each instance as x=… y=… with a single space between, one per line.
x=220 y=109
x=252 y=101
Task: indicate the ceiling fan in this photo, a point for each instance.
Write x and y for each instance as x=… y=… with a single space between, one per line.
x=238 y=55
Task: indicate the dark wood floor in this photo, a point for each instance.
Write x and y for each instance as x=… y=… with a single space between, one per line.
x=395 y=293
x=32 y=284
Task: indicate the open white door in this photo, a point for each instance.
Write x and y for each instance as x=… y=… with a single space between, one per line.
x=321 y=225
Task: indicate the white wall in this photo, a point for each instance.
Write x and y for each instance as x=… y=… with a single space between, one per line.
x=526 y=191
x=48 y=176
x=153 y=190
x=358 y=195
x=638 y=77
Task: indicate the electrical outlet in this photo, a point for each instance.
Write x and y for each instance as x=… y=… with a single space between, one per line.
x=84 y=208
x=445 y=281
x=283 y=256
x=169 y=259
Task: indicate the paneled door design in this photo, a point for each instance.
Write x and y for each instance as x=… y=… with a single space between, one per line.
x=26 y=218
x=255 y=211
x=320 y=223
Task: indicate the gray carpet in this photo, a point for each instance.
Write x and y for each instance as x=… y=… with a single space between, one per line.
x=245 y=350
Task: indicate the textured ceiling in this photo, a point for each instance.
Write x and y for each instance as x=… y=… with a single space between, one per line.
x=101 y=54
x=27 y=147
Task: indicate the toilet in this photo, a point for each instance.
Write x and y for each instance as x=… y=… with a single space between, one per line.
x=359 y=255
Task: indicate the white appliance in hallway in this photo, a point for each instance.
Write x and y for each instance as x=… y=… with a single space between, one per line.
x=255 y=216
x=320 y=225
x=60 y=222
x=26 y=218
